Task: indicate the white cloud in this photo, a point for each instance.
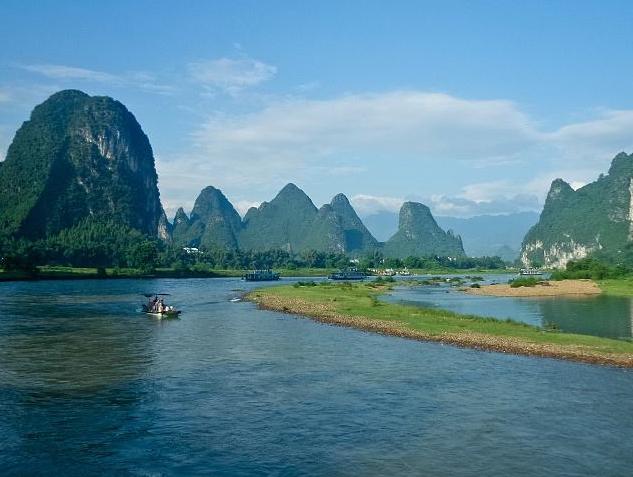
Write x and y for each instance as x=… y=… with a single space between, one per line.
x=287 y=139
x=366 y=204
x=458 y=206
x=604 y=136
x=139 y=80
x=242 y=206
x=5 y=97
x=398 y=122
x=397 y=135
x=231 y=75
x=71 y=72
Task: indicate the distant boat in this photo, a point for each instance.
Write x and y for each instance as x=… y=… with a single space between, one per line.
x=260 y=276
x=349 y=274
x=404 y=272
x=530 y=272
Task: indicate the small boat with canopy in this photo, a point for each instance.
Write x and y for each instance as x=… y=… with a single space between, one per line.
x=156 y=306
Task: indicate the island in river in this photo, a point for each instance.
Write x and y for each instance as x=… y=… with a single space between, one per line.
x=544 y=288
x=358 y=306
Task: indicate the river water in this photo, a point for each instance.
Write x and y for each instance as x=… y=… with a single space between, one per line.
x=89 y=386
x=606 y=316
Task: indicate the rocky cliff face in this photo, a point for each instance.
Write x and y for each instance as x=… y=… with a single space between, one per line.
x=79 y=157
x=419 y=235
x=595 y=218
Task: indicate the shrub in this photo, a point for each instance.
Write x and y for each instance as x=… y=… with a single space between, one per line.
x=524 y=282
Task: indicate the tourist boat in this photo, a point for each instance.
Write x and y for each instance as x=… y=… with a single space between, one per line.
x=530 y=272
x=260 y=276
x=155 y=306
x=349 y=274
x=404 y=272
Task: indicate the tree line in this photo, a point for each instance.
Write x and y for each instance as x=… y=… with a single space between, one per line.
x=95 y=243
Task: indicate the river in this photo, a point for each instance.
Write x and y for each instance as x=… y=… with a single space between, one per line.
x=90 y=386
x=601 y=315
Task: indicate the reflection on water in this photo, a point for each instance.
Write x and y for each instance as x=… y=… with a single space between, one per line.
x=88 y=385
x=606 y=316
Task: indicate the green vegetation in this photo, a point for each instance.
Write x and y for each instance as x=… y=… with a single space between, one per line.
x=56 y=173
x=591 y=268
x=214 y=222
x=359 y=301
x=617 y=286
x=416 y=221
x=594 y=216
x=524 y=282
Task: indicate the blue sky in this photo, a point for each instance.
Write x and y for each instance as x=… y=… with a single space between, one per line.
x=470 y=107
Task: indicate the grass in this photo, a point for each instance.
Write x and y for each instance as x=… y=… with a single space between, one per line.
x=357 y=305
x=75 y=273
x=49 y=272
x=617 y=286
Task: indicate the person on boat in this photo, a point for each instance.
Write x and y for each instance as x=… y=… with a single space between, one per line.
x=161 y=306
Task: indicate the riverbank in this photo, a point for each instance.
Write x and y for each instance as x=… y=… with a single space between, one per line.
x=357 y=306
x=545 y=288
x=88 y=273
x=617 y=286
x=83 y=273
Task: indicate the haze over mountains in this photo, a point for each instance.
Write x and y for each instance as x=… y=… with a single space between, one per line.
x=482 y=235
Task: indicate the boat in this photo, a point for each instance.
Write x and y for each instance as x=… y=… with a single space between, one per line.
x=530 y=272
x=404 y=272
x=348 y=274
x=261 y=276
x=165 y=314
x=156 y=306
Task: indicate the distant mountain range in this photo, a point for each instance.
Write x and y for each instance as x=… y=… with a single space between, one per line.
x=292 y=222
x=84 y=163
x=483 y=235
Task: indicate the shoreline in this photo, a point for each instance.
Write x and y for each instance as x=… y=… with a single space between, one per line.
x=90 y=273
x=580 y=287
x=326 y=312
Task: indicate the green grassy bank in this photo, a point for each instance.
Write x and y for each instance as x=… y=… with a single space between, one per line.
x=78 y=273
x=358 y=306
x=75 y=273
x=617 y=286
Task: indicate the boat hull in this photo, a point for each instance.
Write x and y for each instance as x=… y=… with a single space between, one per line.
x=163 y=316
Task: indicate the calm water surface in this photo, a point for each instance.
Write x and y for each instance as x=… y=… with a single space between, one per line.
x=606 y=316
x=90 y=386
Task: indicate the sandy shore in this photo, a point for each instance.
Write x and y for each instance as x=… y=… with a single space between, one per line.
x=326 y=313
x=551 y=288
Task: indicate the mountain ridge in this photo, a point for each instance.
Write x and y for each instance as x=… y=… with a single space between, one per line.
x=79 y=157
x=596 y=218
